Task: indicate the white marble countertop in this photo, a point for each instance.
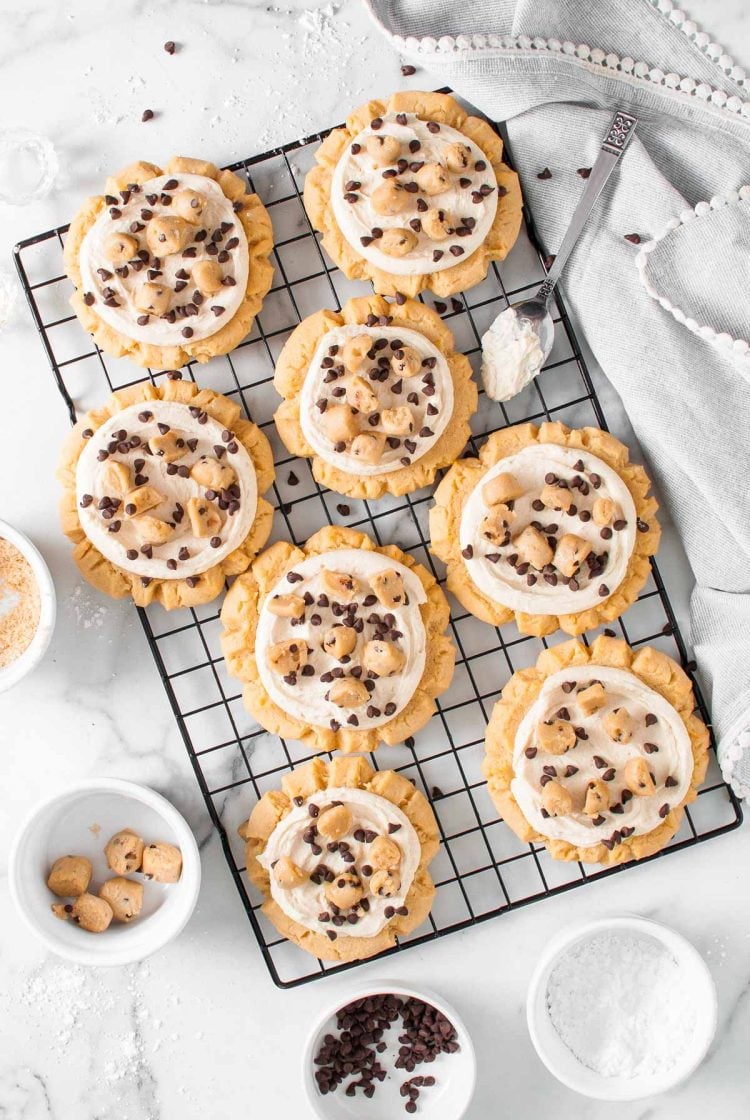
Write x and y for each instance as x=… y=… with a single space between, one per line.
x=200 y=1030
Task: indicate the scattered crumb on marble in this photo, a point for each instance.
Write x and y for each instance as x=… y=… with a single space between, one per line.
x=89 y=611
x=95 y=829
x=69 y=996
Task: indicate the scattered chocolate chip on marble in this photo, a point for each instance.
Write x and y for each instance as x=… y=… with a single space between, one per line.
x=148 y=115
x=633 y=238
x=544 y=174
x=170 y=46
x=584 y=172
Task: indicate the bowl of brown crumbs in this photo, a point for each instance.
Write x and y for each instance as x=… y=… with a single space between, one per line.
x=386 y=1051
x=27 y=606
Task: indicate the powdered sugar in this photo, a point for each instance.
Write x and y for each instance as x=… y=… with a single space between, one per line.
x=88 y=608
x=620 y=1003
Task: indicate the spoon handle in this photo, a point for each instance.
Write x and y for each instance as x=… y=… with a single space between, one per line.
x=618 y=136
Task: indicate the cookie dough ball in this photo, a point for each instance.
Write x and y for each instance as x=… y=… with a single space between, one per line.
x=162 y=862
x=436 y=223
x=124 y=852
x=124 y=896
x=92 y=913
x=390 y=198
x=345 y=891
x=398 y=242
x=70 y=876
x=207 y=277
x=168 y=234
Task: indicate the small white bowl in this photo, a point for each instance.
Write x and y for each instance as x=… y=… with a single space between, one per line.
x=455 y=1074
x=67 y=824
x=35 y=651
x=561 y=1061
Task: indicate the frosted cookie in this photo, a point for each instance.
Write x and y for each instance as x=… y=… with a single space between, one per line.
x=340 y=643
x=596 y=751
x=170 y=265
x=163 y=493
x=375 y=395
x=551 y=526
x=341 y=854
x=413 y=193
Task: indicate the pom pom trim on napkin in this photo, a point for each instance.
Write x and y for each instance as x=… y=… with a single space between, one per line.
x=592 y=57
x=701 y=39
x=734 y=757
x=722 y=340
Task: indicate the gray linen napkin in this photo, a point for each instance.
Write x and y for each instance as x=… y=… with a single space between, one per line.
x=670 y=331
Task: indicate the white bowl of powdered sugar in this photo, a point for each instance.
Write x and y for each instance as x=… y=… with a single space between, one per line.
x=621 y=1008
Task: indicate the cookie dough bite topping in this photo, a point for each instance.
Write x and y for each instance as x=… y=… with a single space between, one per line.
x=164 y=491
x=413 y=196
x=350 y=651
x=342 y=862
x=549 y=530
x=375 y=398
x=599 y=757
x=166 y=262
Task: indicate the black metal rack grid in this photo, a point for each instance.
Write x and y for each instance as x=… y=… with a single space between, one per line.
x=482 y=868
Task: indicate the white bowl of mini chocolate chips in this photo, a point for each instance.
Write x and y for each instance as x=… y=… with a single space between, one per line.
x=621 y=1008
x=27 y=606
x=409 y=1051
x=105 y=872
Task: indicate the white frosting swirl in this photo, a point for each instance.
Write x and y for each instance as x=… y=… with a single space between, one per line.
x=218 y=215
x=306 y=699
x=306 y=902
x=357 y=219
x=176 y=490
x=431 y=411
x=511 y=355
x=500 y=581
x=672 y=759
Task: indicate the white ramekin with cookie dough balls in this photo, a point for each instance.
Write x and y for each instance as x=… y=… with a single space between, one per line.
x=105 y=872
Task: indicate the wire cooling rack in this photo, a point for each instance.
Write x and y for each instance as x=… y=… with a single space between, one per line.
x=482 y=868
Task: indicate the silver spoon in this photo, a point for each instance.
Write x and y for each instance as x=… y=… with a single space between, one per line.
x=534 y=311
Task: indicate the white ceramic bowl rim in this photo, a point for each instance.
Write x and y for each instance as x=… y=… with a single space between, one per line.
x=144 y=945
x=563 y=1064
x=383 y=987
x=35 y=651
